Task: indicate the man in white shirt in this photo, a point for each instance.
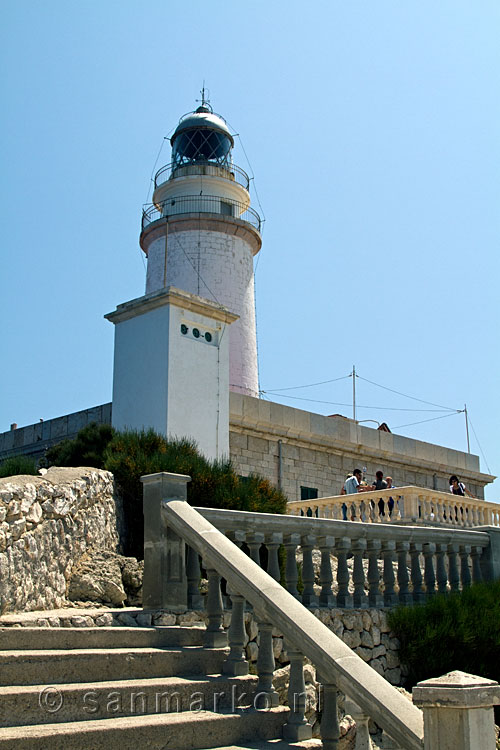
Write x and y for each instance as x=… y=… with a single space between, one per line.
x=353 y=484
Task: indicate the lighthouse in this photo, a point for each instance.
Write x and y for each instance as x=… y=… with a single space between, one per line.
x=200 y=233
x=191 y=338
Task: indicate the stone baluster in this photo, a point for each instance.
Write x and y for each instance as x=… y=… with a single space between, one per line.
x=402 y=549
x=309 y=599
x=464 y=565
x=475 y=516
x=296 y=727
x=330 y=729
x=359 y=598
x=363 y=741
x=416 y=573
x=453 y=574
x=255 y=542
x=441 y=572
x=429 y=575
x=342 y=547
x=476 y=553
x=356 y=505
x=388 y=549
x=375 y=599
x=214 y=636
x=336 y=511
x=272 y=543
x=326 y=597
x=427 y=508
x=193 y=573
x=291 y=543
x=265 y=668
x=458 y=711
x=449 y=514
x=438 y=505
x=236 y=664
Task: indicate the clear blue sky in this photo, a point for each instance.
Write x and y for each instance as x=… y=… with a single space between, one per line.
x=372 y=131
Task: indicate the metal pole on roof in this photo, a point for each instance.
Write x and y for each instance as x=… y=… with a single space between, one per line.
x=354 y=393
x=467 y=427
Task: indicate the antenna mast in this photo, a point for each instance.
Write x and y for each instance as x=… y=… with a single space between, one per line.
x=354 y=393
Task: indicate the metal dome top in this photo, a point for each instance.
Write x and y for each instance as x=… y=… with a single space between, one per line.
x=202 y=119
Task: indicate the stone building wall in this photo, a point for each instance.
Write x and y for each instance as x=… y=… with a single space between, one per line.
x=46 y=525
x=318 y=452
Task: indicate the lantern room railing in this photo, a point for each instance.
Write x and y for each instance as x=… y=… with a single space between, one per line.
x=200 y=204
x=207 y=168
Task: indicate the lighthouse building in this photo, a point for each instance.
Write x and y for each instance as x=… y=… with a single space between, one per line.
x=185 y=358
x=201 y=235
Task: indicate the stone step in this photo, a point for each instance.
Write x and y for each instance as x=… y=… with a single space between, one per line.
x=106 y=637
x=274 y=745
x=54 y=666
x=47 y=704
x=178 y=731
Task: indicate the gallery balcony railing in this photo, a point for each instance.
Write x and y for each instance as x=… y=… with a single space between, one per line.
x=200 y=204
x=402 y=505
x=207 y=168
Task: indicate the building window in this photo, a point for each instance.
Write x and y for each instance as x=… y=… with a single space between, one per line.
x=308 y=493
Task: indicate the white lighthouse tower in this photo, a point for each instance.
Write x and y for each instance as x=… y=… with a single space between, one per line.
x=200 y=234
x=191 y=337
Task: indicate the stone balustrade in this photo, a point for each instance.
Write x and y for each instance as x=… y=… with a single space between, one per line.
x=178 y=536
x=402 y=505
x=358 y=565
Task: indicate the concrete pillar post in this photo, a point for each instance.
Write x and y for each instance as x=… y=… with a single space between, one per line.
x=165 y=583
x=458 y=711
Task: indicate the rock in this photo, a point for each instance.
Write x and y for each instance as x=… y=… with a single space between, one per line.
x=252 y=651
x=393 y=676
x=367 y=620
x=132 y=575
x=366 y=639
x=375 y=633
x=378 y=666
x=277 y=647
x=252 y=629
x=365 y=653
x=104 y=621
x=378 y=651
x=127 y=620
x=351 y=638
x=144 y=619
x=392 y=659
x=97 y=578
x=165 y=618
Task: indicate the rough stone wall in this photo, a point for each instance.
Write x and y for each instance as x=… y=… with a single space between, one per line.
x=46 y=525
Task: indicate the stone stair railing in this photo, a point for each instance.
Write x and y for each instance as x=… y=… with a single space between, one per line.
x=422 y=561
x=413 y=505
x=171 y=525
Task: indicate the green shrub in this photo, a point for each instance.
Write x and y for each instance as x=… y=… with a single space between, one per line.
x=18 y=465
x=456 y=631
x=214 y=484
x=87 y=449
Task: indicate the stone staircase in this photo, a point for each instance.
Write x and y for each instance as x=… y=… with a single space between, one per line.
x=156 y=688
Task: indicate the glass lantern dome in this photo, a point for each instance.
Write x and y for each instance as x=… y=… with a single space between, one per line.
x=201 y=137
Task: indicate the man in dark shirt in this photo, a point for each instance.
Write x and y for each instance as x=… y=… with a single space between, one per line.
x=380 y=484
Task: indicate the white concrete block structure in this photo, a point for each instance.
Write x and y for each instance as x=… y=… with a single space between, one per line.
x=171 y=368
x=201 y=235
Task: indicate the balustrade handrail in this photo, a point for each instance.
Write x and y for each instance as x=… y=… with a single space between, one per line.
x=444 y=508
x=231 y=172
x=236 y=520
x=199 y=204
x=333 y=659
